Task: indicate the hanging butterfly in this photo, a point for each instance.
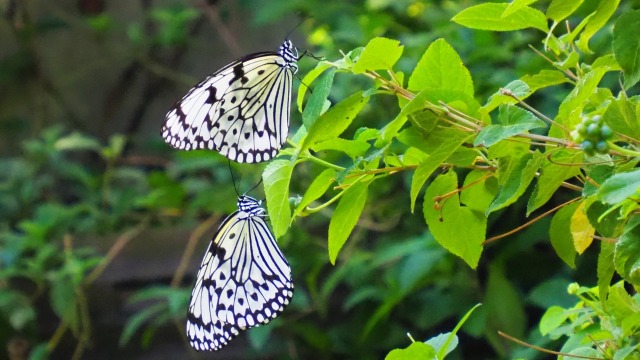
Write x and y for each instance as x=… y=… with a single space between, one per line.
x=244 y=280
x=242 y=110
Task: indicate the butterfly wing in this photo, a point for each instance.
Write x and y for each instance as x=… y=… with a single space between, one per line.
x=244 y=280
x=242 y=111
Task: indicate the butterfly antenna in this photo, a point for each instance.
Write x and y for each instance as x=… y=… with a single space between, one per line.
x=255 y=186
x=295 y=27
x=233 y=179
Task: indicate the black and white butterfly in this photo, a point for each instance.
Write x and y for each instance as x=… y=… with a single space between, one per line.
x=242 y=110
x=244 y=280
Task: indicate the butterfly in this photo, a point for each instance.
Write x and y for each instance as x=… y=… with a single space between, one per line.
x=244 y=280
x=242 y=110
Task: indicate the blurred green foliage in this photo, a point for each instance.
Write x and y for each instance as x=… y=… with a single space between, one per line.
x=62 y=185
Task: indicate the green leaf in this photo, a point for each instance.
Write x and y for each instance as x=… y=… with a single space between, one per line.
x=451 y=340
x=478 y=194
x=77 y=141
x=379 y=54
x=599 y=174
x=560 y=234
x=516 y=5
x=63 y=301
x=553 y=318
x=606 y=268
x=276 y=178
x=514 y=121
x=445 y=149
x=622 y=116
x=517 y=87
x=503 y=304
x=516 y=180
x=543 y=79
x=627 y=255
x=353 y=148
x=605 y=221
x=316 y=101
x=570 y=111
x=620 y=304
x=417 y=350
x=345 y=217
x=558 y=10
x=441 y=68
x=605 y=9
x=443 y=344
x=488 y=16
x=317 y=188
x=553 y=174
x=333 y=122
x=420 y=103
x=137 y=320
x=626 y=46
x=620 y=187
x=308 y=80
x=457 y=228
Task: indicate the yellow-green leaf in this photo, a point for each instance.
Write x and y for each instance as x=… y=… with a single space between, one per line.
x=581 y=230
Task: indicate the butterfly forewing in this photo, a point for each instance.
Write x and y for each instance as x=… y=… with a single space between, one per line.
x=244 y=280
x=242 y=111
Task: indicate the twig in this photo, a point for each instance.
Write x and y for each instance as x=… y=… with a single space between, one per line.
x=190 y=248
x=117 y=247
x=528 y=223
x=546 y=351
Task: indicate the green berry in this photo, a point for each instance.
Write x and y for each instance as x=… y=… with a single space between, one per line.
x=581 y=129
x=573 y=288
x=602 y=147
x=596 y=118
x=606 y=132
x=588 y=147
x=593 y=131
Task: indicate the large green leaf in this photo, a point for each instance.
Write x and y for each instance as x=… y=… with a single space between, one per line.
x=489 y=16
x=626 y=46
x=441 y=68
x=417 y=350
x=516 y=180
x=553 y=174
x=605 y=9
x=570 y=111
x=623 y=115
x=457 y=228
x=431 y=163
x=276 y=178
x=627 y=255
x=336 y=120
x=514 y=120
x=503 y=304
x=346 y=216
x=317 y=100
x=620 y=187
x=379 y=54
x=317 y=188
x=558 y=10
x=516 y=5
x=560 y=234
x=606 y=268
x=308 y=79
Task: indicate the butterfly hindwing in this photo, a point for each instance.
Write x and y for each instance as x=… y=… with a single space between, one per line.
x=244 y=281
x=241 y=111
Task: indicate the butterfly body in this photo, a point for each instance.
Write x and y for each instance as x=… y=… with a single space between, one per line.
x=244 y=280
x=241 y=111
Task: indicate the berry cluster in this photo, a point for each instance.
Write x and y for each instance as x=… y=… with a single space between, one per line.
x=592 y=135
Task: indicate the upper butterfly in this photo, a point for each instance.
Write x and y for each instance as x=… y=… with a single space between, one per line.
x=242 y=110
